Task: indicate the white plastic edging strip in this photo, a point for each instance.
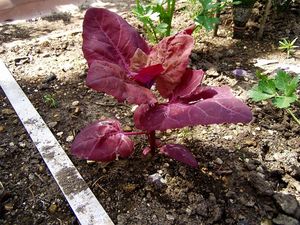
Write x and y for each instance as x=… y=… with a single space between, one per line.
x=81 y=199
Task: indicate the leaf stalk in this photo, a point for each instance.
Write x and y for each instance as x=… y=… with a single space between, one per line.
x=293 y=115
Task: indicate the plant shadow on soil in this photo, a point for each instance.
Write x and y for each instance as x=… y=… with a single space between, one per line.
x=123 y=184
x=211 y=193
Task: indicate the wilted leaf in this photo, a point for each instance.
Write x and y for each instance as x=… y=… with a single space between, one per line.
x=179 y=153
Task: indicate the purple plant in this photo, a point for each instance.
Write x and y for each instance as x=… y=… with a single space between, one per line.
x=122 y=64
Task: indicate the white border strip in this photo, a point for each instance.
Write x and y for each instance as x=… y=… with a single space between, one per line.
x=81 y=199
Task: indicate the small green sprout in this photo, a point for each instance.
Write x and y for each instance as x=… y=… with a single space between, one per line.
x=156 y=18
x=50 y=100
x=207 y=15
x=282 y=90
x=288 y=46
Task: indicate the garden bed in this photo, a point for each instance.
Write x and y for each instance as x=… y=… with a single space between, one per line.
x=243 y=169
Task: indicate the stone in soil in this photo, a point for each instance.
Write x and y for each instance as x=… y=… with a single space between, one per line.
x=288 y=203
x=9 y=206
x=70 y=138
x=75 y=103
x=1 y=189
x=53 y=208
x=282 y=219
x=8 y=111
x=52 y=124
x=260 y=183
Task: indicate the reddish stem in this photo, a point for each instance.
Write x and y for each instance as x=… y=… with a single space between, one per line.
x=151 y=138
x=152 y=141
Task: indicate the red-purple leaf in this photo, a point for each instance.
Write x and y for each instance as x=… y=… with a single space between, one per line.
x=112 y=79
x=189 y=82
x=173 y=53
x=214 y=105
x=148 y=74
x=108 y=37
x=189 y=30
x=179 y=153
x=102 y=141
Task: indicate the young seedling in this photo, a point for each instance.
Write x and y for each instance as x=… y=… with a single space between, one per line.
x=208 y=15
x=122 y=64
x=50 y=100
x=281 y=90
x=156 y=18
x=288 y=46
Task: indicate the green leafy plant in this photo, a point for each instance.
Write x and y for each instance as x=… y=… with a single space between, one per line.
x=156 y=18
x=50 y=100
x=288 y=46
x=281 y=90
x=206 y=17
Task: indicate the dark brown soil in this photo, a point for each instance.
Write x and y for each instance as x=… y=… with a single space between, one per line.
x=248 y=174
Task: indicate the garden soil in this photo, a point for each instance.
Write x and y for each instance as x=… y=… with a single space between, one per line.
x=248 y=174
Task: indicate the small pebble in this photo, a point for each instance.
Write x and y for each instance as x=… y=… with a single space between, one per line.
x=189 y=211
x=129 y=187
x=53 y=208
x=52 y=124
x=127 y=128
x=228 y=137
x=75 y=103
x=157 y=179
x=133 y=108
x=282 y=219
x=287 y=202
x=170 y=217
x=266 y=222
x=218 y=161
x=1 y=189
x=212 y=72
x=9 y=206
x=250 y=142
x=260 y=169
x=22 y=144
x=60 y=134
x=8 y=111
x=70 y=138
x=41 y=168
x=76 y=111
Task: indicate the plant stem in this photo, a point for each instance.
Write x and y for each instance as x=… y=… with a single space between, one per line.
x=152 y=28
x=264 y=19
x=151 y=140
x=171 y=9
x=218 y=12
x=294 y=117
